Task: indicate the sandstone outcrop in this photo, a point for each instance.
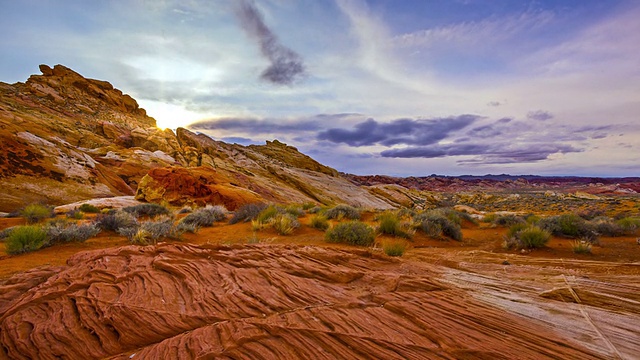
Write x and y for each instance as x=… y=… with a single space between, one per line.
x=199 y=186
x=261 y=302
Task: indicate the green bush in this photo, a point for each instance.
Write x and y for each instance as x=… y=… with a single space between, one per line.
x=75 y=214
x=35 y=213
x=24 y=239
x=150 y=210
x=285 y=224
x=319 y=222
x=308 y=205
x=247 y=212
x=89 y=209
x=526 y=237
x=436 y=222
x=390 y=224
x=568 y=225
x=629 y=225
x=294 y=210
x=605 y=226
x=394 y=248
x=343 y=211
x=352 y=233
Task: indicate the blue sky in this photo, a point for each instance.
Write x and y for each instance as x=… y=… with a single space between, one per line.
x=368 y=87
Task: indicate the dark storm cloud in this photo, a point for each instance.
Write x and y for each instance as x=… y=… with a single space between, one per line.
x=286 y=65
x=539 y=115
x=484 y=153
x=401 y=131
x=256 y=127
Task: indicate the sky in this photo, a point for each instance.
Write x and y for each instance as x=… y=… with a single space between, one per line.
x=390 y=87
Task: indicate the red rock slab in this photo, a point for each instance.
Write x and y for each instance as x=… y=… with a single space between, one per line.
x=258 y=302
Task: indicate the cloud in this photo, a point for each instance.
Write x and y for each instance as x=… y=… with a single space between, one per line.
x=255 y=126
x=400 y=131
x=539 y=115
x=286 y=65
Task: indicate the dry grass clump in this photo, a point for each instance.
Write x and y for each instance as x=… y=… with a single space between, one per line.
x=581 y=247
x=394 y=248
x=285 y=224
x=352 y=233
x=343 y=211
x=390 y=224
x=60 y=231
x=116 y=220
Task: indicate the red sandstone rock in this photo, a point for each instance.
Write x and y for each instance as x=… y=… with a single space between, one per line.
x=259 y=302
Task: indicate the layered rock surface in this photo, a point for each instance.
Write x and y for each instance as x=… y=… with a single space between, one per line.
x=271 y=302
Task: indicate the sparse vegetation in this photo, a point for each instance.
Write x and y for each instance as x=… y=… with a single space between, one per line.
x=568 y=225
x=35 y=213
x=308 y=205
x=75 y=214
x=60 y=231
x=150 y=210
x=508 y=220
x=89 y=209
x=247 y=212
x=285 y=224
x=294 y=210
x=185 y=227
x=268 y=213
x=24 y=239
x=206 y=216
x=629 y=225
x=526 y=237
x=394 y=248
x=319 y=222
x=581 y=247
x=352 y=233
x=390 y=224
x=343 y=211
x=116 y=220
x=438 y=222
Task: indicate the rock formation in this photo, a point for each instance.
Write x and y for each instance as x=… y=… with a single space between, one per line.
x=260 y=302
x=66 y=138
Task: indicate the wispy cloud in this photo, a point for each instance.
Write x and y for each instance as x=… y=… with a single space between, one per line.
x=286 y=65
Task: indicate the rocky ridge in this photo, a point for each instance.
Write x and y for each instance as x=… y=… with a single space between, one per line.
x=67 y=138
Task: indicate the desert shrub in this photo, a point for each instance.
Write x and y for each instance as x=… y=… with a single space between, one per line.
x=24 y=239
x=590 y=214
x=352 y=233
x=508 y=220
x=532 y=219
x=267 y=214
x=629 y=225
x=285 y=224
x=35 y=213
x=206 y=216
x=185 y=227
x=343 y=211
x=161 y=228
x=150 y=210
x=605 y=226
x=62 y=231
x=294 y=210
x=247 y=212
x=185 y=210
x=394 y=248
x=489 y=218
x=568 y=225
x=437 y=222
x=89 y=209
x=527 y=237
x=581 y=247
x=319 y=222
x=75 y=214
x=315 y=210
x=390 y=224
x=116 y=220
x=6 y=232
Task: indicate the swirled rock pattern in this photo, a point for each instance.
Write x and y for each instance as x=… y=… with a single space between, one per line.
x=258 y=302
